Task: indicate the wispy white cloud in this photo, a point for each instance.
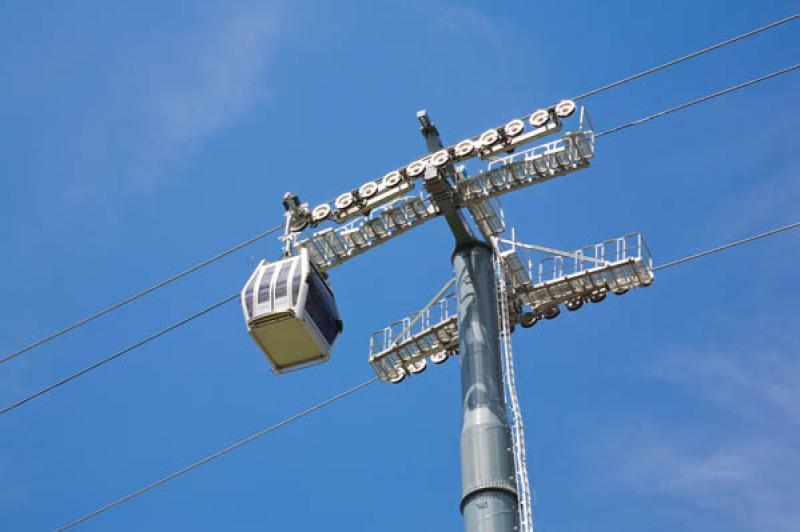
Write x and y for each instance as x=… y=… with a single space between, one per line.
x=771 y=197
x=215 y=79
x=758 y=383
x=765 y=184
x=741 y=471
x=451 y=17
x=448 y=18
x=150 y=106
x=746 y=485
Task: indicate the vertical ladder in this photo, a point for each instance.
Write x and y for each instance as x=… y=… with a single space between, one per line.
x=512 y=402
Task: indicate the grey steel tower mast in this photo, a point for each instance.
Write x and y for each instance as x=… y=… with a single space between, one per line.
x=489 y=496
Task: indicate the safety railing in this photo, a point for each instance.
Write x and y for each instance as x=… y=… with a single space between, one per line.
x=615 y=265
x=535 y=165
x=433 y=336
x=332 y=246
x=595 y=256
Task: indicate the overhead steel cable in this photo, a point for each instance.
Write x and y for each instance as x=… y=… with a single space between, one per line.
x=204 y=311
x=356 y=388
x=593 y=92
x=114 y=356
x=221 y=452
x=155 y=336
x=692 y=55
x=138 y=295
x=727 y=246
x=175 y=277
x=252 y=437
x=706 y=98
x=274 y=229
x=676 y=61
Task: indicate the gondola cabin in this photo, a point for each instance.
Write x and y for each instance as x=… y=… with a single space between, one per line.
x=291 y=312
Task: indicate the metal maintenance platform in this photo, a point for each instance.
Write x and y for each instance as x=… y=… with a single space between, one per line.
x=586 y=274
x=540 y=282
x=433 y=337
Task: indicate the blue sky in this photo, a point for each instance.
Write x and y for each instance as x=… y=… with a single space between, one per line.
x=142 y=137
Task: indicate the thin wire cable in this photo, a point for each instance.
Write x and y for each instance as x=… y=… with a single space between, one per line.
x=727 y=246
x=671 y=63
x=118 y=354
x=171 y=328
x=272 y=230
x=138 y=295
x=687 y=57
x=676 y=61
x=354 y=389
x=221 y=452
x=698 y=101
x=205 y=311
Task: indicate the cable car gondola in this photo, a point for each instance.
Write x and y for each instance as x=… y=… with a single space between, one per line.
x=291 y=312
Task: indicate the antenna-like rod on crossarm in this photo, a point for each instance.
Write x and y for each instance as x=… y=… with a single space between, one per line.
x=439 y=182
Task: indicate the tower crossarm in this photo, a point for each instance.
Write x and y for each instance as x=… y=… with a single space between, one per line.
x=489 y=145
x=573 y=151
x=332 y=246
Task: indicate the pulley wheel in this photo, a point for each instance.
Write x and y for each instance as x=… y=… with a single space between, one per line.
x=345 y=201
x=565 y=108
x=597 y=297
x=392 y=179
x=367 y=190
x=464 y=148
x=574 y=304
x=528 y=319
x=539 y=118
x=398 y=377
x=440 y=158
x=320 y=213
x=514 y=128
x=551 y=313
x=438 y=358
x=418 y=367
x=415 y=169
x=490 y=137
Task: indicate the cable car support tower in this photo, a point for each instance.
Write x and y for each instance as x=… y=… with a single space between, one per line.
x=498 y=284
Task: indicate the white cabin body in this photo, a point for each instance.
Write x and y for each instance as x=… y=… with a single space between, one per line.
x=291 y=312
